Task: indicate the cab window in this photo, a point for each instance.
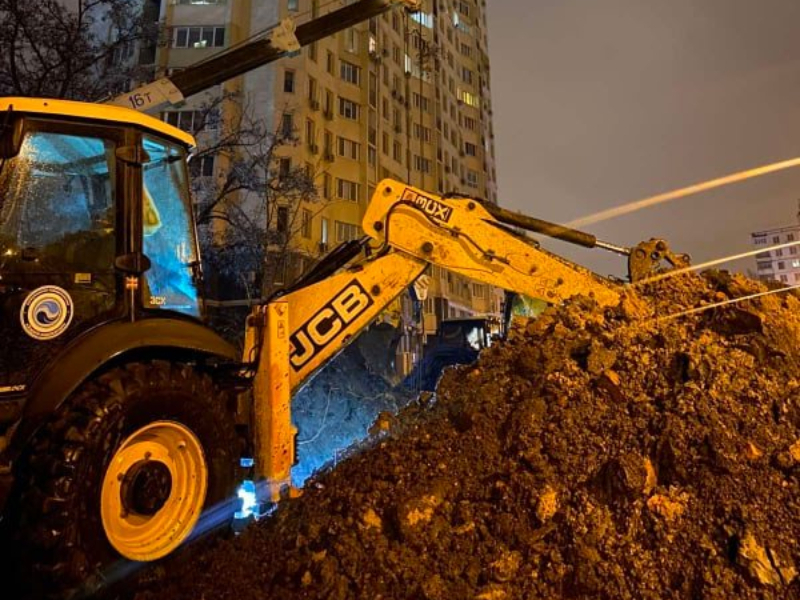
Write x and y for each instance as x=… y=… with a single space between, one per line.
x=57 y=206
x=169 y=236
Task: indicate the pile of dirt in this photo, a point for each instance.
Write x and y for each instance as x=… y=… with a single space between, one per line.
x=596 y=454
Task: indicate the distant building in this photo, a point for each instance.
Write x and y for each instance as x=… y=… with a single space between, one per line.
x=782 y=264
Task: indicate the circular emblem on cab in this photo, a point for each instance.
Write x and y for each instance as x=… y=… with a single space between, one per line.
x=46 y=312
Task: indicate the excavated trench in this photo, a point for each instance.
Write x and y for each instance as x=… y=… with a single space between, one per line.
x=596 y=454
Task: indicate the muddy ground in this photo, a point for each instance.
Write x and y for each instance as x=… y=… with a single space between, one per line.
x=596 y=454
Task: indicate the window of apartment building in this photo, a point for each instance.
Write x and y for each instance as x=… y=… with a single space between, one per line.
x=198 y=37
x=349 y=149
x=191 y=120
x=764 y=265
x=470 y=123
x=796 y=277
x=395 y=21
x=309 y=168
x=284 y=166
x=472 y=178
x=468 y=98
x=326 y=186
x=421 y=102
x=385 y=108
x=330 y=63
x=350 y=73
x=346 y=232
x=793 y=250
x=467 y=76
x=311 y=135
x=759 y=241
x=796 y=264
x=314 y=9
x=784 y=279
x=459 y=24
x=776 y=240
x=373 y=90
x=282 y=219
x=312 y=51
x=294 y=5
x=463 y=8
x=465 y=49
x=779 y=252
x=372 y=155
x=372 y=131
x=423 y=18
x=397 y=152
x=328 y=144
x=348 y=190
x=328 y=103
x=790 y=237
x=348 y=109
x=202 y=166
x=312 y=93
x=398 y=121
x=351 y=40
x=422 y=133
x=323 y=231
x=287 y=125
x=288 y=81
x=305 y=229
x=422 y=164
x=386 y=144
x=397 y=55
x=470 y=149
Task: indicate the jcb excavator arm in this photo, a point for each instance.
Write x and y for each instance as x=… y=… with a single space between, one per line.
x=289 y=339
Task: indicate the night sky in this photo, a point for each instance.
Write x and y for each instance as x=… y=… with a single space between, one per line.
x=602 y=102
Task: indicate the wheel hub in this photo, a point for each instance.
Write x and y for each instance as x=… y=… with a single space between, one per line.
x=146 y=487
x=153 y=490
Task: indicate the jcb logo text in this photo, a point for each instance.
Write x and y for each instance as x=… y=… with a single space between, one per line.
x=321 y=329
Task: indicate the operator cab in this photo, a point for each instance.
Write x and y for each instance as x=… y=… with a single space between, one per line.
x=95 y=224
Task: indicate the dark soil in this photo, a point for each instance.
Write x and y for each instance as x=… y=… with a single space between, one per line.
x=596 y=454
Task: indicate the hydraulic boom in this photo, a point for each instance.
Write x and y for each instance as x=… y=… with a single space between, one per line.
x=291 y=338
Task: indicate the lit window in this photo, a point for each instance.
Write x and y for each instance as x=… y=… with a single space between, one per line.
x=424 y=19
x=198 y=37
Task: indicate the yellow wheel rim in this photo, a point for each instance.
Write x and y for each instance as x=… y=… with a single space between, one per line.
x=154 y=491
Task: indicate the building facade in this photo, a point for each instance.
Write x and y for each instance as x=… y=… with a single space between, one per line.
x=403 y=95
x=780 y=264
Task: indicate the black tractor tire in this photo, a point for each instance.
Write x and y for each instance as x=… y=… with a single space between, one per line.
x=63 y=551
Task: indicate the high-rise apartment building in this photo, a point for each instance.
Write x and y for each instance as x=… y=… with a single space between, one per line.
x=778 y=264
x=402 y=95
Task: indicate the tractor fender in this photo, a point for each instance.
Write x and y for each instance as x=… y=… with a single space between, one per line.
x=108 y=342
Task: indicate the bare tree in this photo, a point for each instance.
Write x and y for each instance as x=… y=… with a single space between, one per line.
x=254 y=211
x=77 y=49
